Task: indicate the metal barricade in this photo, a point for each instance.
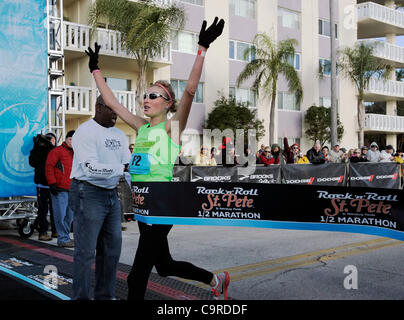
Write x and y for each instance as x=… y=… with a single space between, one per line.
x=23 y=210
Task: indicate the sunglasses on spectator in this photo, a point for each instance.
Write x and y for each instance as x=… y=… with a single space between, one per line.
x=295 y=148
x=358 y=152
x=267 y=151
x=153 y=96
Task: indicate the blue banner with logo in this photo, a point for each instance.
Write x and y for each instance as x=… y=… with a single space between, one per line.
x=23 y=91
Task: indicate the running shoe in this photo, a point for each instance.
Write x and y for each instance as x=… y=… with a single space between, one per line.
x=220 y=289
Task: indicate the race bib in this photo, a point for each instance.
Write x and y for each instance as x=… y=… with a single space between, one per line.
x=140 y=163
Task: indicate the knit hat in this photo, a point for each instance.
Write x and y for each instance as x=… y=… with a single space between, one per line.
x=50 y=135
x=389 y=147
x=70 y=134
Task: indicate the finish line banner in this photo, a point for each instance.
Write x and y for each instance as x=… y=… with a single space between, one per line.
x=372 y=211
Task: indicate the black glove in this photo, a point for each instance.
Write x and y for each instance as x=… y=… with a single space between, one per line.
x=207 y=36
x=54 y=189
x=93 y=62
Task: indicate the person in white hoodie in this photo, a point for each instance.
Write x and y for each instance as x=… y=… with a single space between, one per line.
x=374 y=153
x=387 y=154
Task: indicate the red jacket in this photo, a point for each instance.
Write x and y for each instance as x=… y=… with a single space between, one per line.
x=267 y=161
x=59 y=166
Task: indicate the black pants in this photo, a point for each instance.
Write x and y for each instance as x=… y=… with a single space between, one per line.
x=152 y=251
x=44 y=205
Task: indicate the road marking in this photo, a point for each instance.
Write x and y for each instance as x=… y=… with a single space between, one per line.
x=242 y=272
x=303 y=255
x=321 y=259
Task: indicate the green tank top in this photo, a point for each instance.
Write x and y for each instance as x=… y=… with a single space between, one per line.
x=154 y=154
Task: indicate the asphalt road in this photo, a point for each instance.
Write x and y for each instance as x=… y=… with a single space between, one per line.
x=271 y=264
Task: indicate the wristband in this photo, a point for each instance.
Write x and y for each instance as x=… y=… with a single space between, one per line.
x=96 y=70
x=201 y=53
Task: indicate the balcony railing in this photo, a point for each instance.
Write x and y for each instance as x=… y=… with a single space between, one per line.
x=386 y=50
x=371 y=10
x=159 y=2
x=381 y=122
x=127 y=99
x=77 y=37
x=79 y=99
x=386 y=88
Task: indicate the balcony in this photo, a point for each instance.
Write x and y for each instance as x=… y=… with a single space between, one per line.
x=160 y=3
x=384 y=123
x=392 y=54
x=79 y=100
x=77 y=38
x=382 y=2
x=384 y=90
x=375 y=21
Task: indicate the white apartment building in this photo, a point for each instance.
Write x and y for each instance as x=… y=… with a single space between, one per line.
x=380 y=23
x=307 y=21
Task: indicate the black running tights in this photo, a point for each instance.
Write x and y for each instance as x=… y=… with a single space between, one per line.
x=152 y=251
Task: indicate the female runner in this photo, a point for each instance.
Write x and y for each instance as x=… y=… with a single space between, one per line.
x=153 y=165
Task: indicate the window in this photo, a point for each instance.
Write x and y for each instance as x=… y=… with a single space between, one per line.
x=288 y=19
x=243 y=8
x=244 y=95
x=295 y=61
x=119 y=84
x=198 y=2
x=325 y=67
x=288 y=101
x=179 y=88
x=291 y=141
x=326 y=102
x=186 y=42
x=231 y=49
x=237 y=49
x=241 y=48
x=324 y=28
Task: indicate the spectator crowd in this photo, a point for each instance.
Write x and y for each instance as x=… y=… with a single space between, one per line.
x=226 y=155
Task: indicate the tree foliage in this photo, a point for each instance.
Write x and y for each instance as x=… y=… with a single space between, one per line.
x=318 y=121
x=145 y=30
x=231 y=114
x=359 y=65
x=271 y=60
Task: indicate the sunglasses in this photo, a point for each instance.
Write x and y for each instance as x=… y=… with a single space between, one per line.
x=267 y=151
x=153 y=96
x=295 y=148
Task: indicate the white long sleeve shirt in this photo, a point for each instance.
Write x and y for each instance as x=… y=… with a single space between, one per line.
x=99 y=154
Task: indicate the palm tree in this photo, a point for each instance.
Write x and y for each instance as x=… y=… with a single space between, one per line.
x=270 y=61
x=145 y=28
x=334 y=133
x=359 y=65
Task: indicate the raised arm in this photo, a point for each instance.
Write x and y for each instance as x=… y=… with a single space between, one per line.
x=206 y=37
x=108 y=96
